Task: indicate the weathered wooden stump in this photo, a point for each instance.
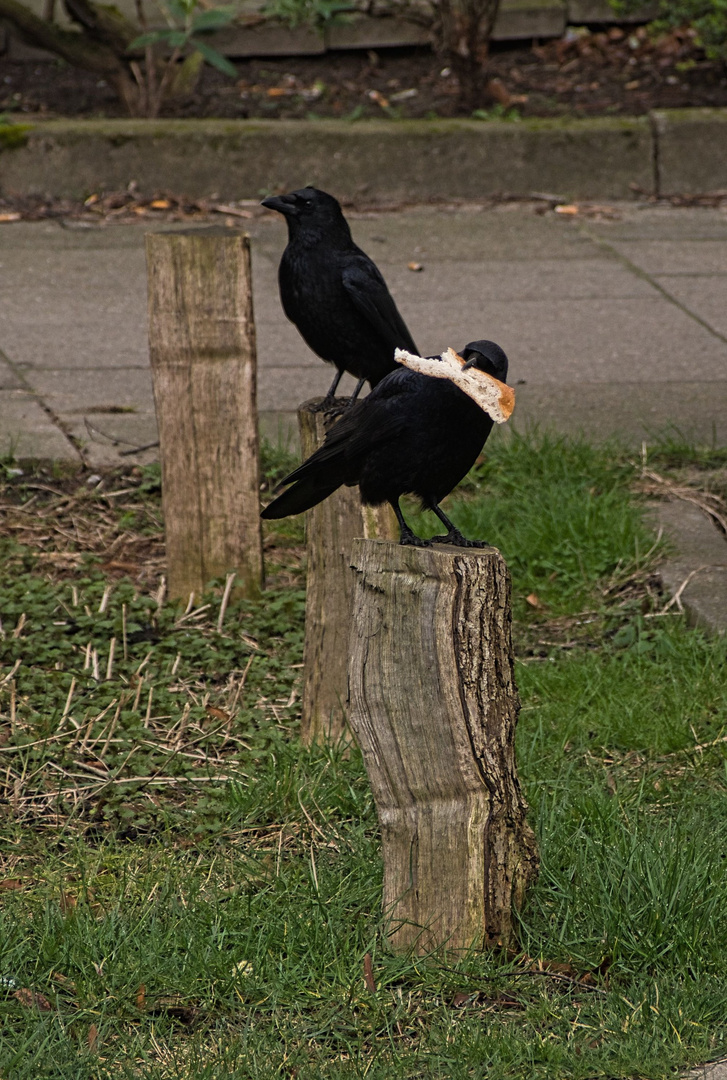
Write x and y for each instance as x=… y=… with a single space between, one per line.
x=203 y=358
x=331 y=529
x=433 y=704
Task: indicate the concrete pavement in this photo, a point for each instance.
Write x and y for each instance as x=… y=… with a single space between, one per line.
x=614 y=324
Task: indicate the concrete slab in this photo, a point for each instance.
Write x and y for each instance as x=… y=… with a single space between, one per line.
x=559 y=280
x=402 y=160
x=483 y=233
x=104 y=437
x=599 y=347
x=644 y=221
x=26 y=430
x=698 y=569
x=692 y=150
x=676 y=256
x=713 y=1070
x=631 y=411
x=41 y=296
x=577 y=341
x=705 y=296
x=115 y=391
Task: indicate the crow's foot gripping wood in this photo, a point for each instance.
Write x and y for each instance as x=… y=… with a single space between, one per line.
x=411 y=540
x=456 y=539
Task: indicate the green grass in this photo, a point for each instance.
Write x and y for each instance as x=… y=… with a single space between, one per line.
x=166 y=924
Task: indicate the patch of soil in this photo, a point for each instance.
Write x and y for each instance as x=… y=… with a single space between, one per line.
x=611 y=72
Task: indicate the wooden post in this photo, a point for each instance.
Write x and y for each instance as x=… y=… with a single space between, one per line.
x=331 y=528
x=203 y=359
x=434 y=707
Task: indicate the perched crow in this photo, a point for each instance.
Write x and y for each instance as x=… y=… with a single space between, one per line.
x=334 y=293
x=412 y=434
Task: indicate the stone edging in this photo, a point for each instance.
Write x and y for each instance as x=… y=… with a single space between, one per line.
x=667 y=153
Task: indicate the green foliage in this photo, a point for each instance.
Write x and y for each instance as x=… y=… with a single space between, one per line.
x=319 y=14
x=707 y=17
x=186 y=21
x=227 y=936
x=497 y=112
x=12 y=134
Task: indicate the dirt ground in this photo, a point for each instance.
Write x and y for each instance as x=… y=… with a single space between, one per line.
x=609 y=72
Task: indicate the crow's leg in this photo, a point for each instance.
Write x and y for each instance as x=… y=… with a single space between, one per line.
x=407 y=536
x=334 y=385
x=330 y=398
x=357 y=391
x=454 y=536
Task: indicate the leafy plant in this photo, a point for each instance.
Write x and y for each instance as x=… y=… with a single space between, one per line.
x=142 y=62
x=319 y=14
x=707 y=17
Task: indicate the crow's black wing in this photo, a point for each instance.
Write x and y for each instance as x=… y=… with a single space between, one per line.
x=370 y=424
x=366 y=287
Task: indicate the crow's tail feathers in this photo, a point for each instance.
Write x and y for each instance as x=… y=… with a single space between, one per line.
x=307 y=492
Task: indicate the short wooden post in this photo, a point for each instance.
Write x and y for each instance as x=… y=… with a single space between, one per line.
x=203 y=358
x=434 y=707
x=331 y=529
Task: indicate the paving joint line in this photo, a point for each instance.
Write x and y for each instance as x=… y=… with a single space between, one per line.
x=52 y=416
x=646 y=276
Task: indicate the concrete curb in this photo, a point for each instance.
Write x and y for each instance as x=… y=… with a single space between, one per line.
x=697 y=572
x=409 y=160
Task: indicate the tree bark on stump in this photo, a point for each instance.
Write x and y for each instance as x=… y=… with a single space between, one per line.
x=433 y=705
x=331 y=528
x=203 y=359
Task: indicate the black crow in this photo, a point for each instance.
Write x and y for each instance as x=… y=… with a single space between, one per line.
x=334 y=293
x=413 y=434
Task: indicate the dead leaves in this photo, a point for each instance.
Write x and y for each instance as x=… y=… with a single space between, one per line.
x=123 y=206
x=12 y=884
x=30 y=999
x=173 y=1006
x=368 y=971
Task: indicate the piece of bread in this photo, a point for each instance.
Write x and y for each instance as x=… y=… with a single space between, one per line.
x=495 y=398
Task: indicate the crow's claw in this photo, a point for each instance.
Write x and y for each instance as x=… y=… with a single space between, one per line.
x=410 y=540
x=456 y=539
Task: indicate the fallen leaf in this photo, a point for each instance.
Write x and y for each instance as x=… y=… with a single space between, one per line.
x=279 y=91
x=569 y=208
x=374 y=95
x=11 y=883
x=461 y=999
x=141 y=996
x=30 y=999
x=160 y=204
x=64 y=981
x=219 y=714
x=414 y=266
x=91 y=200
x=369 y=973
x=499 y=92
x=243 y=968
x=92 y=1037
x=10 y=217
x=533 y=600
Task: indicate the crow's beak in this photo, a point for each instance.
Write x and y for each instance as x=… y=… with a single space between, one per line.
x=282 y=203
x=470 y=363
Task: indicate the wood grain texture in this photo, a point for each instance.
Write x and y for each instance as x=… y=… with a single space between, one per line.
x=433 y=704
x=331 y=528
x=203 y=358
